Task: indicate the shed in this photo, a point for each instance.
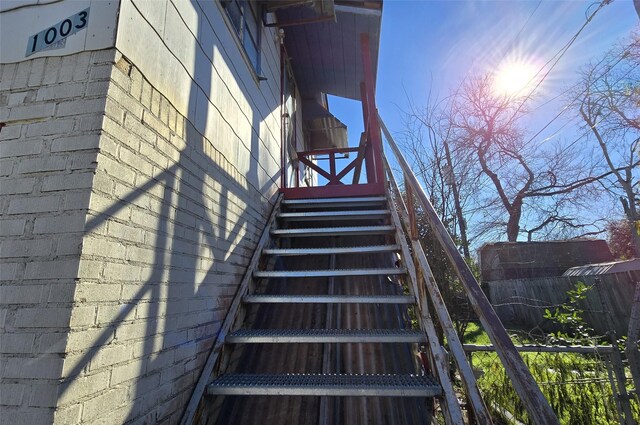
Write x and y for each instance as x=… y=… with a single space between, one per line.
x=522 y=260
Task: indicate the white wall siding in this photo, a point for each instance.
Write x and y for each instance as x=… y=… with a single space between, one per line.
x=192 y=57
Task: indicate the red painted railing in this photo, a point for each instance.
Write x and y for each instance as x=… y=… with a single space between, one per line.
x=324 y=163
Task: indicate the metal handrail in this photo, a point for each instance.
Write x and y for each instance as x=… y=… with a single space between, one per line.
x=525 y=386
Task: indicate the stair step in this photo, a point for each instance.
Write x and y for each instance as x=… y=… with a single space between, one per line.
x=336 y=250
x=330 y=273
x=325 y=385
x=334 y=215
x=310 y=336
x=329 y=299
x=334 y=202
x=334 y=231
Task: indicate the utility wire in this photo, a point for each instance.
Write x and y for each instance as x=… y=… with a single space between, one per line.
x=515 y=39
x=581 y=93
x=556 y=58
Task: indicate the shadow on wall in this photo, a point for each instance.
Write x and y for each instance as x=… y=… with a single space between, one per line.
x=170 y=349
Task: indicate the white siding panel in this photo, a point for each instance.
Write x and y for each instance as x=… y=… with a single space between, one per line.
x=232 y=107
x=179 y=40
x=21 y=20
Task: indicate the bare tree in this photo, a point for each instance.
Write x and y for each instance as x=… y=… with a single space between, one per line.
x=521 y=174
x=608 y=101
x=446 y=176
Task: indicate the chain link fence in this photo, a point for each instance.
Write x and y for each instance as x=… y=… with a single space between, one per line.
x=584 y=385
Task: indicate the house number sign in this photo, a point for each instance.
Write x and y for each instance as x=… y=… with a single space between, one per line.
x=56 y=34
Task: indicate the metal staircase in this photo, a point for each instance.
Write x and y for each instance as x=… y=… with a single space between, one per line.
x=335 y=320
x=326 y=313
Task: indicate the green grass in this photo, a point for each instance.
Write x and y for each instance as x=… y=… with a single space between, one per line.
x=475 y=335
x=576 y=385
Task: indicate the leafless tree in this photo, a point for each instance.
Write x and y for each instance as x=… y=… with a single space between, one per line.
x=608 y=102
x=525 y=178
x=446 y=176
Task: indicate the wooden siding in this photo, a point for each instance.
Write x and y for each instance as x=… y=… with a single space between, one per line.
x=522 y=302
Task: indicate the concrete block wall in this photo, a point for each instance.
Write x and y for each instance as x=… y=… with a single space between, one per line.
x=53 y=109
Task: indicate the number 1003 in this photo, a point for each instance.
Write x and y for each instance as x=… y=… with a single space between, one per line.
x=57 y=32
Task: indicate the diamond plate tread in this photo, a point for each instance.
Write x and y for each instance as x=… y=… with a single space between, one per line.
x=325 y=385
x=330 y=273
x=275 y=336
x=329 y=299
x=336 y=250
x=334 y=215
x=336 y=231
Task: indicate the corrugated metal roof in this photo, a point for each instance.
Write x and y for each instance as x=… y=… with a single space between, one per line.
x=604 y=268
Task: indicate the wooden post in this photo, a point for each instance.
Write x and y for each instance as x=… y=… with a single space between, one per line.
x=631 y=350
x=614 y=390
x=526 y=387
x=372 y=114
x=332 y=167
x=411 y=209
x=455 y=346
x=616 y=358
x=368 y=156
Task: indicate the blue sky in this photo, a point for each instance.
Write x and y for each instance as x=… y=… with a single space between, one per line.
x=438 y=43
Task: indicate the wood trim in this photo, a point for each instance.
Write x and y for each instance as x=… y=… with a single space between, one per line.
x=333 y=191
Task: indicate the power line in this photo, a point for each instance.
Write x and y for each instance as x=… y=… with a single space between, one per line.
x=557 y=58
x=579 y=95
x=510 y=45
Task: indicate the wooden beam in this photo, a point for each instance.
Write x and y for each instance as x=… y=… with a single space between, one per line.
x=315 y=167
x=327 y=151
x=375 y=138
x=362 y=148
x=333 y=191
x=596 y=349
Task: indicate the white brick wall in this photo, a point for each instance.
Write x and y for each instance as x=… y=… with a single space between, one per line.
x=48 y=151
x=170 y=229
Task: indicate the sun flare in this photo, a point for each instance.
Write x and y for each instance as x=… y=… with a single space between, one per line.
x=514 y=78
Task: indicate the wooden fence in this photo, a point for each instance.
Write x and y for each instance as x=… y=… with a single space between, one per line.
x=522 y=302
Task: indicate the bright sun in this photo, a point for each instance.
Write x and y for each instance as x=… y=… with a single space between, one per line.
x=514 y=78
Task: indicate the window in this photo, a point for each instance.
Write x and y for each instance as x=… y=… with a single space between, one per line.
x=247 y=23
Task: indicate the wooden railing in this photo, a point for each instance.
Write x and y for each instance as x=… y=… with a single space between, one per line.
x=536 y=404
